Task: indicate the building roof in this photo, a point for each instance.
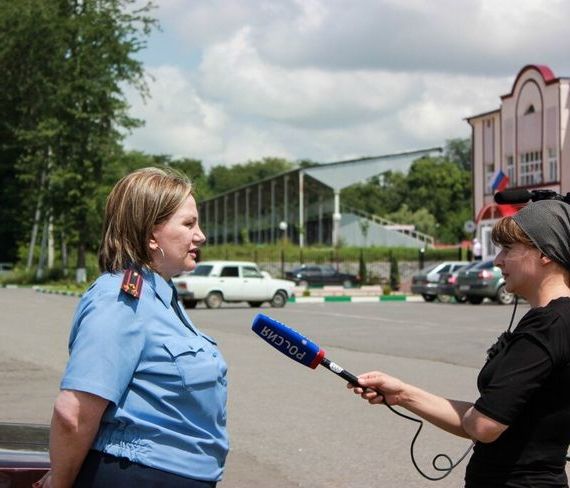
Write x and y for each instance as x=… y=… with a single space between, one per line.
x=484 y=114
x=546 y=73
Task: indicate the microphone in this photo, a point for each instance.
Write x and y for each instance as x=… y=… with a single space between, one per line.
x=296 y=346
x=513 y=196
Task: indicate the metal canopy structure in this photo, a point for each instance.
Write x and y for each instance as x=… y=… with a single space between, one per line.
x=296 y=204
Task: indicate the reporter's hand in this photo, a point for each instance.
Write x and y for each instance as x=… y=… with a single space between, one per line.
x=377 y=388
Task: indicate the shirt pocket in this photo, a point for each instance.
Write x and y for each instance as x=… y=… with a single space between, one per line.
x=197 y=366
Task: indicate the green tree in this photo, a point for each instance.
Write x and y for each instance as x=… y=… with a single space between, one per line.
x=441 y=187
x=394 y=273
x=68 y=61
x=362 y=270
x=223 y=178
x=380 y=195
x=459 y=151
x=421 y=219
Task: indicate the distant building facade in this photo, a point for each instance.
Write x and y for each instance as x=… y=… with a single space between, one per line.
x=527 y=138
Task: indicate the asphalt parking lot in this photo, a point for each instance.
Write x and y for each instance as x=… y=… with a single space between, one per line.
x=290 y=426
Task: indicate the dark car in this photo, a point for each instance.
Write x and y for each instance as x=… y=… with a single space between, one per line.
x=24 y=457
x=447 y=285
x=425 y=282
x=484 y=280
x=317 y=275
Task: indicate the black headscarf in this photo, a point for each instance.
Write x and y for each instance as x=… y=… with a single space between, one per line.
x=547 y=224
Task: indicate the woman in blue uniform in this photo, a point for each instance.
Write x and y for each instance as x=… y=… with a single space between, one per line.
x=143 y=397
x=521 y=421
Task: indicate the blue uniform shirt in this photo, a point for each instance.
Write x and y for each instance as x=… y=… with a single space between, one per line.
x=166 y=381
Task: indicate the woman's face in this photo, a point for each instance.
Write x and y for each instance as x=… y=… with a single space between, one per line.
x=519 y=264
x=179 y=237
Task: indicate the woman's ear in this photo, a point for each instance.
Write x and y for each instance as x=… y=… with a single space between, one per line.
x=153 y=243
x=544 y=259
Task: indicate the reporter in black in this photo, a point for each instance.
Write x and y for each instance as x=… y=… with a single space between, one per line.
x=521 y=421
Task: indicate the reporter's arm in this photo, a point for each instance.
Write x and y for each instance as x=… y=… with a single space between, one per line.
x=75 y=422
x=454 y=416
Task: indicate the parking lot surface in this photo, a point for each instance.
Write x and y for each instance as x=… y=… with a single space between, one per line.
x=291 y=426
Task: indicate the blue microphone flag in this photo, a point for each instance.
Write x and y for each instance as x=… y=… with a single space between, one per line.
x=288 y=341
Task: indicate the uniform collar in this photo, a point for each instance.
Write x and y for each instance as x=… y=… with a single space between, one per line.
x=162 y=288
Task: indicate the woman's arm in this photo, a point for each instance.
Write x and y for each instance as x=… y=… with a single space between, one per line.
x=454 y=416
x=75 y=422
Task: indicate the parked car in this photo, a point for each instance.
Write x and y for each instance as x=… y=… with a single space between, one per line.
x=24 y=457
x=447 y=285
x=215 y=282
x=321 y=275
x=425 y=282
x=484 y=280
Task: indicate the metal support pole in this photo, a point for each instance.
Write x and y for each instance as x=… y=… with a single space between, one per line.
x=216 y=221
x=301 y=208
x=272 y=211
x=247 y=190
x=225 y=219
x=236 y=213
x=286 y=203
x=320 y=220
x=259 y=213
x=336 y=218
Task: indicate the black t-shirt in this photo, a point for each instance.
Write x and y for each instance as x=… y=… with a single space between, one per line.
x=525 y=384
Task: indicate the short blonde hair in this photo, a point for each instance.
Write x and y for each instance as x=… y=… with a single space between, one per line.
x=137 y=203
x=507 y=232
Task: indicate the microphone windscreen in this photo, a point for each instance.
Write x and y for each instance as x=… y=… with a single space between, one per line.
x=512 y=196
x=288 y=341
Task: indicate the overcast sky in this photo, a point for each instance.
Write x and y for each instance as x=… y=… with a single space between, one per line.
x=326 y=80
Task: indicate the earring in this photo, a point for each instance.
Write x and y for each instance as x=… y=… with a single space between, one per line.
x=162 y=252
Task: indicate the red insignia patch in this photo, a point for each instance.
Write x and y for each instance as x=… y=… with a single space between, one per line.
x=132 y=282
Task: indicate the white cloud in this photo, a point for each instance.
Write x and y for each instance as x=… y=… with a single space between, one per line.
x=178 y=121
x=331 y=79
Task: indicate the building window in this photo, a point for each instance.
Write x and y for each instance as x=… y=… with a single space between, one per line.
x=552 y=165
x=511 y=170
x=489 y=170
x=530 y=172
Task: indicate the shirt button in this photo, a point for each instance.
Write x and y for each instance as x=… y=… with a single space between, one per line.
x=215 y=354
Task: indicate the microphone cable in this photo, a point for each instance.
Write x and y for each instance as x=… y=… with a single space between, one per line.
x=447 y=470
x=441 y=456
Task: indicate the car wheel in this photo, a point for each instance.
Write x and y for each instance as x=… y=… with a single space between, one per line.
x=475 y=300
x=428 y=298
x=460 y=298
x=347 y=284
x=279 y=299
x=214 y=299
x=188 y=303
x=504 y=297
x=304 y=283
x=255 y=304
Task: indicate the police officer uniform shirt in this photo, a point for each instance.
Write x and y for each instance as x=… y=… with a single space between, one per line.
x=166 y=380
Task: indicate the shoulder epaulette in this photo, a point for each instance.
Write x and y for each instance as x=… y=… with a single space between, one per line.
x=132 y=282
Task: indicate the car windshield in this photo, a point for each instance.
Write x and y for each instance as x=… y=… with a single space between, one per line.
x=429 y=268
x=250 y=272
x=470 y=265
x=202 y=270
x=484 y=265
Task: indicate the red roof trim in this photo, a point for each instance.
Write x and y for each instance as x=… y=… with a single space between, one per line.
x=546 y=73
x=494 y=211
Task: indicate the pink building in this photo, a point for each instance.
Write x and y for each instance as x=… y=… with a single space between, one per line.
x=527 y=138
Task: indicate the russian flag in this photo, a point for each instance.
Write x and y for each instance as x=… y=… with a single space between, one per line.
x=499 y=181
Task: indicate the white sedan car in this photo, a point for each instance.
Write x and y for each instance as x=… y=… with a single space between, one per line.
x=214 y=282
